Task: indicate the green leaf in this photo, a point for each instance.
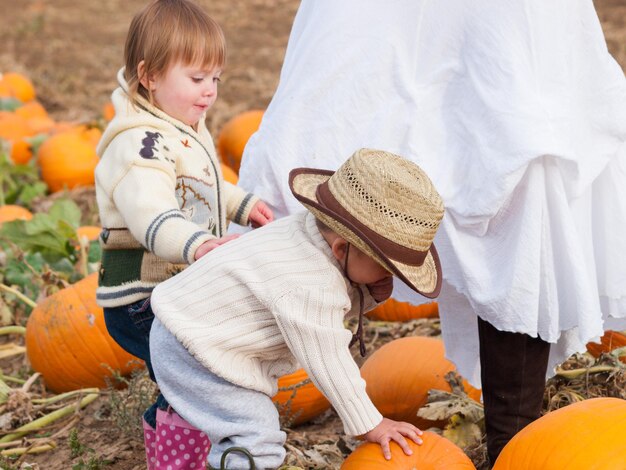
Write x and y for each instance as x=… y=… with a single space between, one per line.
x=10 y=104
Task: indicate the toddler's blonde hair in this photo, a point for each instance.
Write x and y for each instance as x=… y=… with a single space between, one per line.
x=166 y=32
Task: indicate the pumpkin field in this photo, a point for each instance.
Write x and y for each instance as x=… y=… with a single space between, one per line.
x=70 y=398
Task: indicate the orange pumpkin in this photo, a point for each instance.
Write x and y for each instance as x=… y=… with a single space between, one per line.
x=108 y=111
x=608 y=342
x=234 y=136
x=436 y=453
x=229 y=174
x=400 y=374
x=68 y=343
x=392 y=310
x=299 y=403
x=11 y=212
x=17 y=86
x=588 y=435
x=68 y=159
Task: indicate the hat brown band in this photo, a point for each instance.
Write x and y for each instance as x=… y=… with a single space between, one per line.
x=389 y=248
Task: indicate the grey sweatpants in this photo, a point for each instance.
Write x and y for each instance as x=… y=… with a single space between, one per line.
x=230 y=415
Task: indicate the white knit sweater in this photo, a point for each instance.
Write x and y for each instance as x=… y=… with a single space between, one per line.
x=256 y=307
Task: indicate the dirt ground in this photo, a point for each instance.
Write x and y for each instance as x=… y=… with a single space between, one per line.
x=72 y=49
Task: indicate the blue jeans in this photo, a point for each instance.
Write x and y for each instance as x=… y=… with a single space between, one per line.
x=129 y=325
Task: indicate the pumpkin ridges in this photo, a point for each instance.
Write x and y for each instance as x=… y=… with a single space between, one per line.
x=582 y=436
x=64 y=349
x=608 y=342
x=436 y=453
x=400 y=373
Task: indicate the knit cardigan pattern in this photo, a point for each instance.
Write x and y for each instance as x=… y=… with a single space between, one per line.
x=161 y=194
x=262 y=305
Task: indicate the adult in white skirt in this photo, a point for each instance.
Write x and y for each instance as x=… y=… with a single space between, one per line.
x=517 y=112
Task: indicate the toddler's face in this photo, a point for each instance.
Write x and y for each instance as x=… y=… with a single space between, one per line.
x=186 y=92
x=363 y=269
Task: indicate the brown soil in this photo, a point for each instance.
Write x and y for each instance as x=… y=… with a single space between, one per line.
x=72 y=49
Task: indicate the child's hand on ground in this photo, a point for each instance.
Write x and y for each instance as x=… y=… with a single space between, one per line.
x=212 y=244
x=389 y=430
x=381 y=290
x=260 y=215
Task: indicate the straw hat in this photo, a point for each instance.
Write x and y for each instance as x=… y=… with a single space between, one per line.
x=386 y=206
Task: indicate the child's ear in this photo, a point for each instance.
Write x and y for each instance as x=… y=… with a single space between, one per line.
x=339 y=247
x=143 y=78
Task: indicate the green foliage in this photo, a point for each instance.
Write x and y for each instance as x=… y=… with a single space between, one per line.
x=49 y=234
x=77 y=449
x=19 y=184
x=9 y=104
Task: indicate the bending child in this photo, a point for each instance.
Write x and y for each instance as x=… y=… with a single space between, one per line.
x=259 y=307
x=162 y=199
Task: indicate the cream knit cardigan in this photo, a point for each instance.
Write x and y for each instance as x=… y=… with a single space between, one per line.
x=253 y=309
x=159 y=188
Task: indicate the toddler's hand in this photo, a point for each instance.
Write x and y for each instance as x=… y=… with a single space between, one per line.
x=381 y=290
x=260 y=215
x=389 y=430
x=211 y=244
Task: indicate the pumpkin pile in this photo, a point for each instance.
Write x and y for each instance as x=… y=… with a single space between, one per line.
x=64 y=152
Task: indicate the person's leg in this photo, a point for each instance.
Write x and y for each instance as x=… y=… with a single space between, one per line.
x=232 y=416
x=129 y=326
x=513 y=374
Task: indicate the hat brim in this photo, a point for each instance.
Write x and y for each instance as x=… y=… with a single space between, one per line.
x=424 y=279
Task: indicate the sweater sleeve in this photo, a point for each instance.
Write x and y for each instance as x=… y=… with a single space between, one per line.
x=145 y=196
x=238 y=203
x=311 y=322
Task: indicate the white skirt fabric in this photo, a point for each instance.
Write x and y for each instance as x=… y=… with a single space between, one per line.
x=516 y=111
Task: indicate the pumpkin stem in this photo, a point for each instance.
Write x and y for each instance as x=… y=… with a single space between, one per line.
x=49 y=418
x=12 y=330
x=18 y=294
x=574 y=373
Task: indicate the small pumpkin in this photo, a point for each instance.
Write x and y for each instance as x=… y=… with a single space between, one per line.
x=435 y=453
x=297 y=401
x=400 y=373
x=108 y=111
x=393 y=310
x=229 y=174
x=68 y=159
x=89 y=232
x=17 y=86
x=68 y=343
x=587 y=435
x=11 y=212
x=608 y=342
x=234 y=136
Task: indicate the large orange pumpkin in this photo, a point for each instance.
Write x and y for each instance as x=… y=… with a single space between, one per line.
x=68 y=343
x=11 y=212
x=229 y=174
x=436 y=453
x=299 y=403
x=17 y=86
x=392 y=310
x=588 y=435
x=234 y=136
x=608 y=342
x=400 y=374
x=68 y=159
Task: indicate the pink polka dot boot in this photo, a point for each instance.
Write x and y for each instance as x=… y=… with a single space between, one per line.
x=149 y=440
x=179 y=445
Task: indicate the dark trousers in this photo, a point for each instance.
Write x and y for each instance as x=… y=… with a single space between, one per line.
x=129 y=325
x=513 y=375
